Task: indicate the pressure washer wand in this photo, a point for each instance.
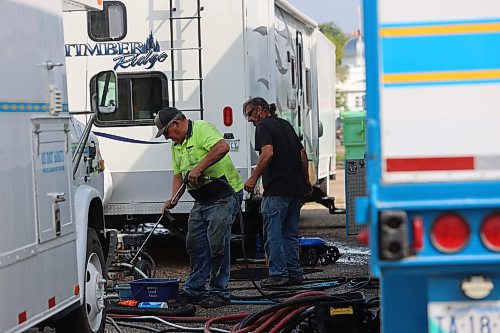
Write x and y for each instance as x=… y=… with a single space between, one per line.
x=166 y=215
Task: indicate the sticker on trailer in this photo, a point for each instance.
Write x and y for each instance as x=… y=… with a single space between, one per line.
x=439 y=79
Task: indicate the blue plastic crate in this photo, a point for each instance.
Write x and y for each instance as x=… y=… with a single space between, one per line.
x=155 y=290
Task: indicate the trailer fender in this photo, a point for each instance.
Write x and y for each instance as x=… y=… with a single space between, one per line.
x=84 y=196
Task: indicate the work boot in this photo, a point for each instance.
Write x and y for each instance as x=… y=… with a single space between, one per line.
x=295 y=280
x=185 y=297
x=214 y=301
x=273 y=281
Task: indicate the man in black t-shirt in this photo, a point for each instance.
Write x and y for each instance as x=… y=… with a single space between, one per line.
x=283 y=166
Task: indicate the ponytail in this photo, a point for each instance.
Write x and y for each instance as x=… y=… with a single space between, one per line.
x=259 y=101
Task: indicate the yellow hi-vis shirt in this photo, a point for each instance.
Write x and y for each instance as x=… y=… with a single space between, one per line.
x=200 y=138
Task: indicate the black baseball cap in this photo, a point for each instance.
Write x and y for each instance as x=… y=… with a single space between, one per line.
x=164 y=118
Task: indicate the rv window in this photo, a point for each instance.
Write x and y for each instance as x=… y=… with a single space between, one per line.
x=140 y=96
x=300 y=58
x=294 y=83
x=308 y=87
x=108 y=24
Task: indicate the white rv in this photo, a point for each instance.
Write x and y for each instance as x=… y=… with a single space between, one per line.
x=206 y=58
x=53 y=242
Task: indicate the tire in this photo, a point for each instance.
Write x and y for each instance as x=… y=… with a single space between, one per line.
x=145 y=267
x=89 y=317
x=310 y=257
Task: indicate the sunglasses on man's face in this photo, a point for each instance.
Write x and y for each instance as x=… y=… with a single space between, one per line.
x=249 y=113
x=166 y=130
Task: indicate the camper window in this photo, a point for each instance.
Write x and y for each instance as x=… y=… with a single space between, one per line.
x=300 y=58
x=308 y=87
x=109 y=23
x=140 y=96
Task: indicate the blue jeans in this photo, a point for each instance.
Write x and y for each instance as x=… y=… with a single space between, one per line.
x=208 y=245
x=281 y=216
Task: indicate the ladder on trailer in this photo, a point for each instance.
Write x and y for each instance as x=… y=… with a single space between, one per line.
x=173 y=50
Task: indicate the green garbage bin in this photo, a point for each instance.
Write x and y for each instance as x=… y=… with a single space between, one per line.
x=354 y=123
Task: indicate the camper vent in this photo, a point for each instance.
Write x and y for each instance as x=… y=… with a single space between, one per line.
x=55 y=102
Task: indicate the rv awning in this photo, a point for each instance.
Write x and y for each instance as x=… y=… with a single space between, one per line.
x=296 y=13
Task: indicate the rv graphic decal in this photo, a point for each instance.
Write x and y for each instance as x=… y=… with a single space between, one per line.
x=128 y=54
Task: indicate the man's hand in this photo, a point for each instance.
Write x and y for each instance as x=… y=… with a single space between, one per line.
x=250 y=184
x=194 y=176
x=168 y=206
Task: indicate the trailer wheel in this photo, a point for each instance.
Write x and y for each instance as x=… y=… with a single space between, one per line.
x=145 y=267
x=89 y=317
x=310 y=257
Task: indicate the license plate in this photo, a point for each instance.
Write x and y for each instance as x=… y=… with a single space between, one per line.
x=464 y=317
x=234 y=144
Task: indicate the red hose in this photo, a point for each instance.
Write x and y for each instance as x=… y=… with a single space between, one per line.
x=215 y=320
x=283 y=321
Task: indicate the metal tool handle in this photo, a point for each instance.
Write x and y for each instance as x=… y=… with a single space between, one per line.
x=181 y=189
x=164 y=215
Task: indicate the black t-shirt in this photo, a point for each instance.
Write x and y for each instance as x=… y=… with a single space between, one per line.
x=284 y=175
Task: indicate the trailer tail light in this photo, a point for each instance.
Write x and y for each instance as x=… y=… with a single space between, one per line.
x=418 y=233
x=364 y=236
x=52 y=302
x=228 y=115
x=22 y=317
x=450 y=233
x=490 y=232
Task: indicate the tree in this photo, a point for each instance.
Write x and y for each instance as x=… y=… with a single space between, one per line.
x=333 y=33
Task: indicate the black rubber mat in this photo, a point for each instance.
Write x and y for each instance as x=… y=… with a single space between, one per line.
x=259 y=273
x=184 y=310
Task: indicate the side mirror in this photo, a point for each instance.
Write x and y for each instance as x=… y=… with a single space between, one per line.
x=107 y=92
x=320 y=129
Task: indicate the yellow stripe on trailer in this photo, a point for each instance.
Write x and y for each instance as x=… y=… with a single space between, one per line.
x=441 y=76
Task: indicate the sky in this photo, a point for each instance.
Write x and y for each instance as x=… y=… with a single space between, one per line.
x=344 y=13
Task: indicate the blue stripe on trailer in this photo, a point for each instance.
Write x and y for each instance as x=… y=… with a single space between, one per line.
x=27 y=107
x=425 y=54
x=125 y=139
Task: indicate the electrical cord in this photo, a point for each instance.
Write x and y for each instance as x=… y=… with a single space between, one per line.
x=115 y=325
x=198 y=320
x=131 y=325
x=177 y=327
x=323 y=284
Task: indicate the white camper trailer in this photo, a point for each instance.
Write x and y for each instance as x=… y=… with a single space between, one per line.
x=53 y=241
x=206 y=58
